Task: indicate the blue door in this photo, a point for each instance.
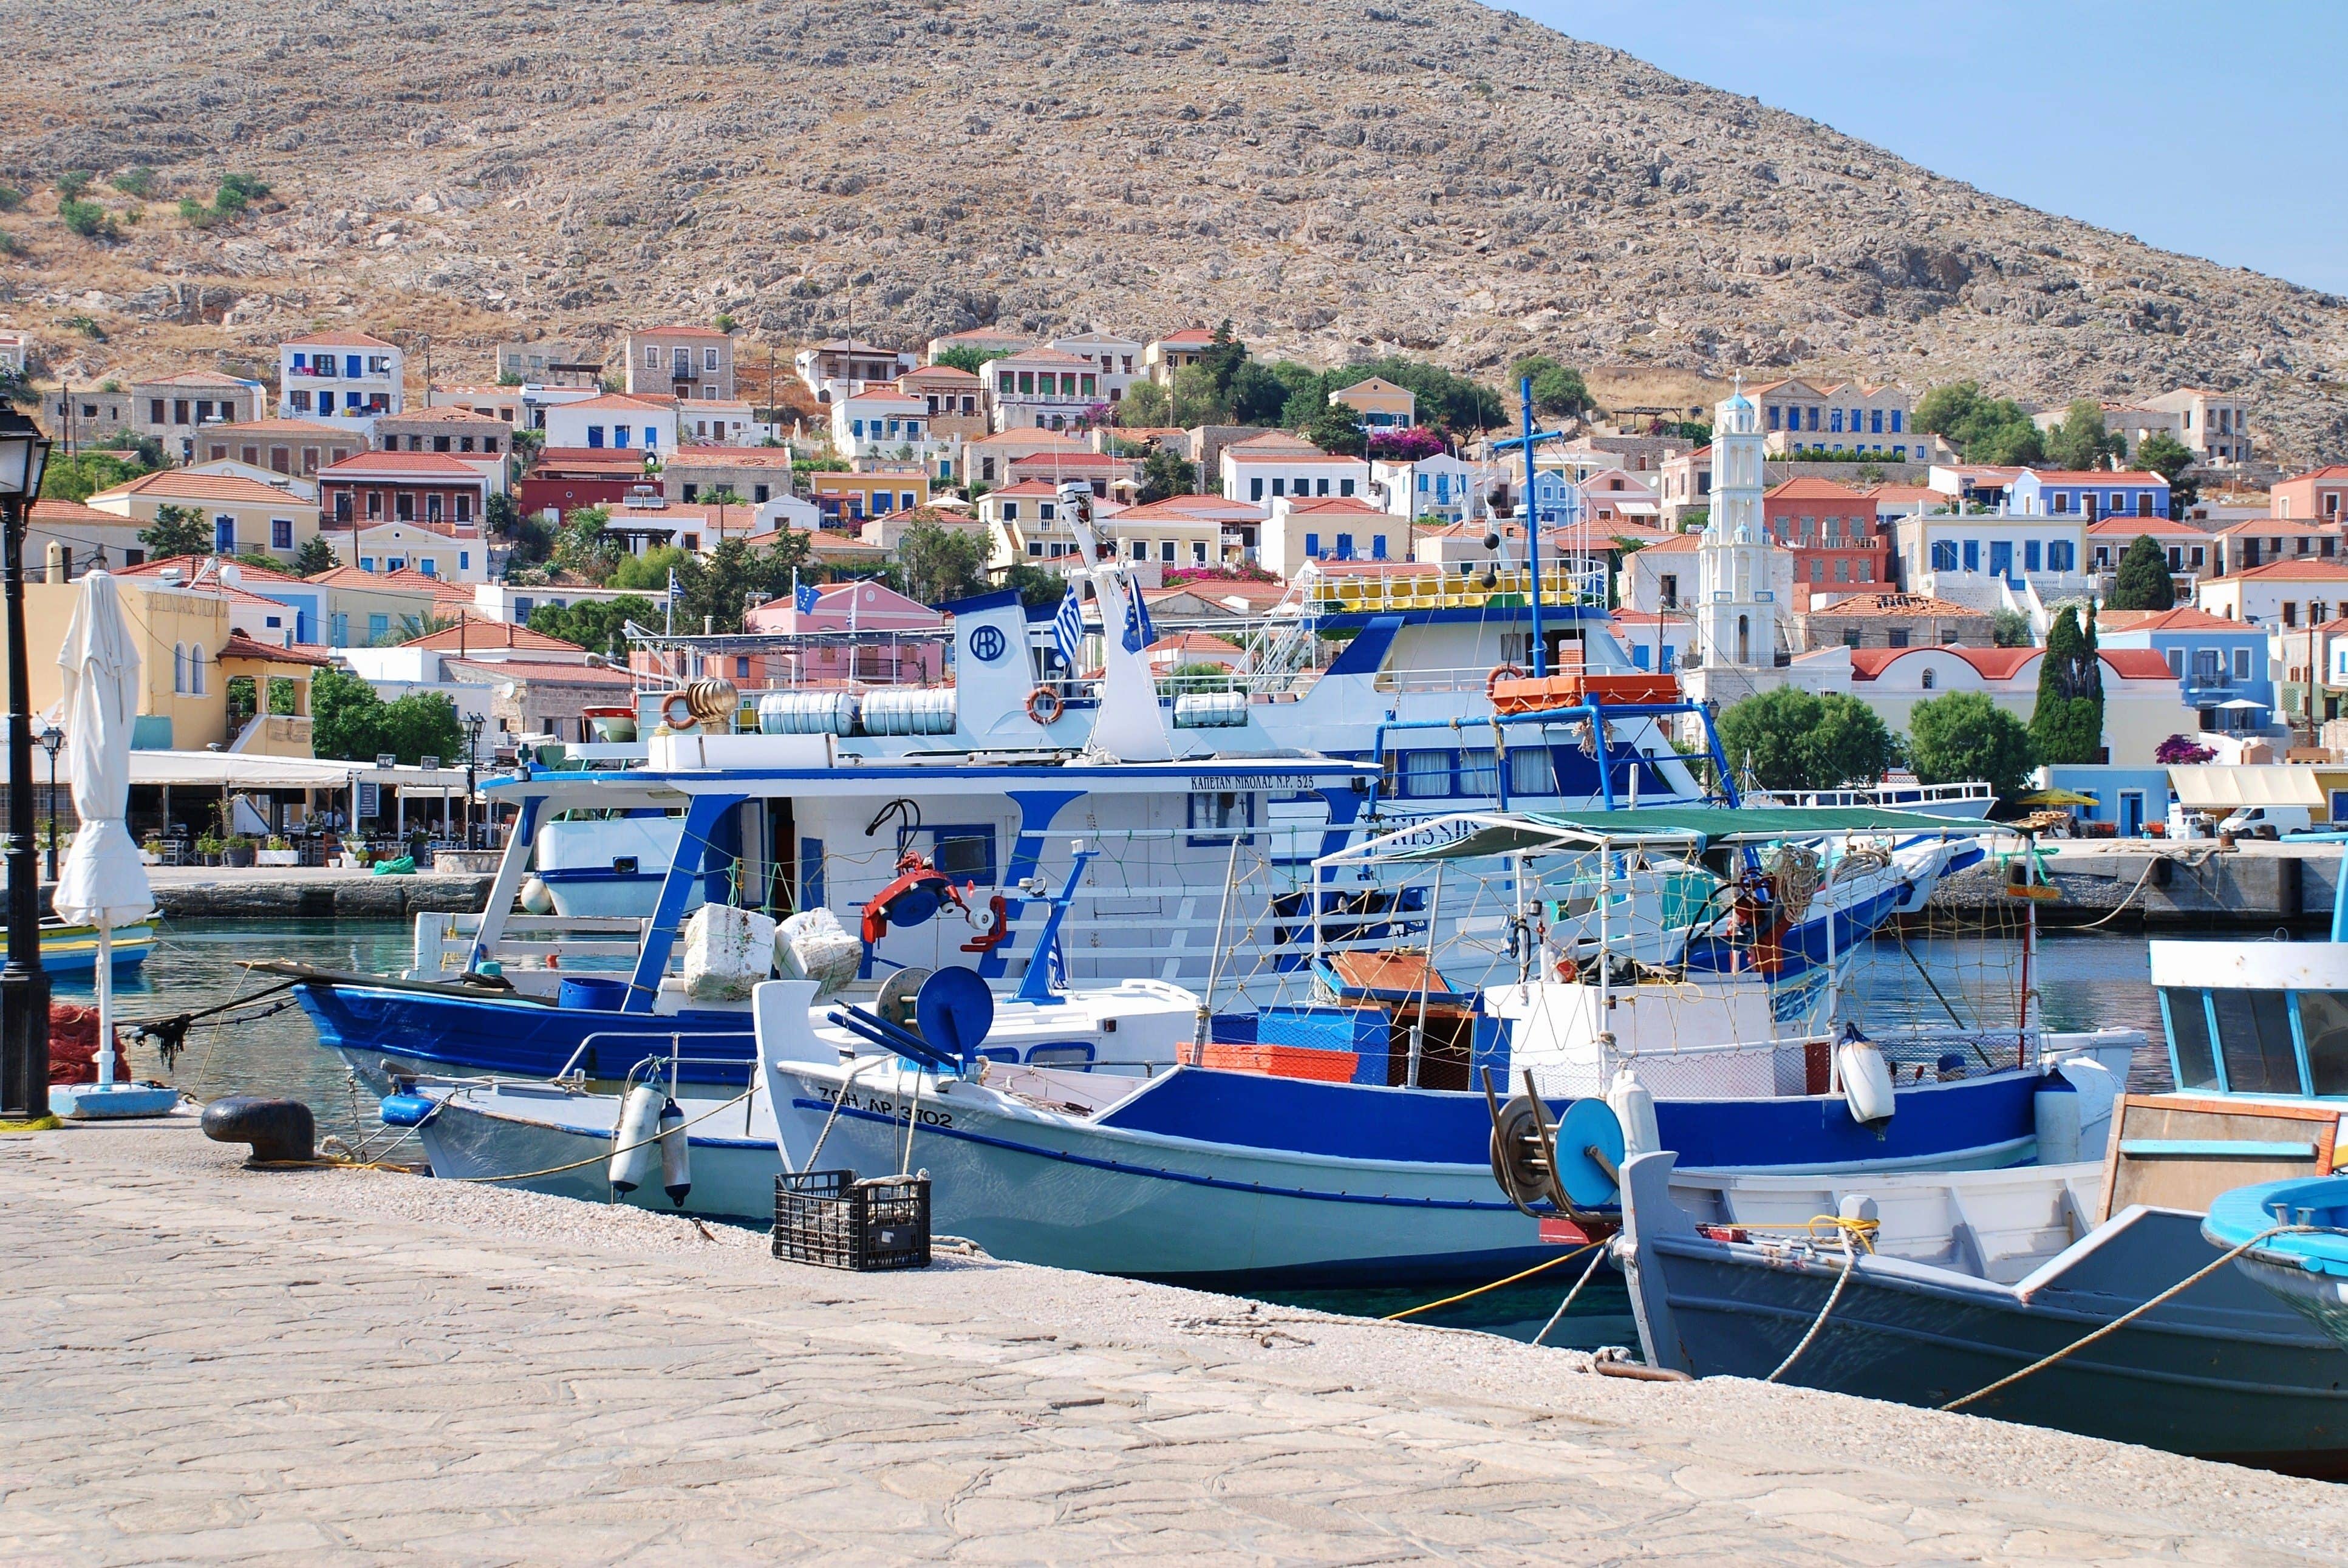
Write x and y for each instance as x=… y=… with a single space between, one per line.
x=2131 y=814
x=2001 y=559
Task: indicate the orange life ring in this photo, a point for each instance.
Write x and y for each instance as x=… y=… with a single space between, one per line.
x=1044 y=705
x=1500 y=673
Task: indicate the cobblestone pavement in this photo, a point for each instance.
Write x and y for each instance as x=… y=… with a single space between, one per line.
x=199 y=1364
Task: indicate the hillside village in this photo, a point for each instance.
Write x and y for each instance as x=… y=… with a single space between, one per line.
x=526 y=538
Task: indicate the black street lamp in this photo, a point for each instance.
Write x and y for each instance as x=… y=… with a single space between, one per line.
x=24 y=986
x=472 y=760
x=53 y=740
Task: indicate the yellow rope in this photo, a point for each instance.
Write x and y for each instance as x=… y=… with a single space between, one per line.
x=1480 y=1290
x=2131 y=1315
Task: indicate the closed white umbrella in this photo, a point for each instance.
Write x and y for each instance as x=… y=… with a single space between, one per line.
x=103 y=881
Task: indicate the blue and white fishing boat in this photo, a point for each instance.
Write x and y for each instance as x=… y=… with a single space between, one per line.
x=2239 y=1363
x=69 y=949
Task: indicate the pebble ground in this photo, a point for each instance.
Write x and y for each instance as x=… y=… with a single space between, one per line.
x=203 y=1364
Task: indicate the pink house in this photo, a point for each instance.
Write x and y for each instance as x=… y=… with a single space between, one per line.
x=878 y=616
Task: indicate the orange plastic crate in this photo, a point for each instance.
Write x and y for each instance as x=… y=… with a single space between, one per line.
x=1283 y=1061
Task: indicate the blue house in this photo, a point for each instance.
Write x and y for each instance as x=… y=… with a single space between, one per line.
x=2086 y=493
x=2221 y=666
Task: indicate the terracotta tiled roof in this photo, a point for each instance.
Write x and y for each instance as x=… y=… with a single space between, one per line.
x=2095 y=477
x=2159 y=526
x=621 y=401
x=405 y=580
x=726 y=458
x=174 y=483
x=240 y=646
x=2312 y=569
x=2183 y=618
x=1810 y=489
x=2279 y=527
x=339 y=340
x=548 y=670
x=301 y=430
x=60 y=513
x=1895 y=605
x=483 y=635
x=2136 y=663
x=451 y=414
x=196 y=378
x=406 y=465
x=708 y=332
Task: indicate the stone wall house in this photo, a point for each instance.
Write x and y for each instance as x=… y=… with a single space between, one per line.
x=347 y=379
x=174 y=409
x=687 y=363
x=289 y=447
x=1890 y=621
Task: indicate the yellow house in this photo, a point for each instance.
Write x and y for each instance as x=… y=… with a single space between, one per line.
x=187 y=657
x=245 y=515
x=1382 y=405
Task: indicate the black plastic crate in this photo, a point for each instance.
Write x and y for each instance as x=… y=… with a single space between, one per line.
x=830 y=1219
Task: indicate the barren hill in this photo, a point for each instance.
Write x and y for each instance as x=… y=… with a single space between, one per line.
x=1340 y=179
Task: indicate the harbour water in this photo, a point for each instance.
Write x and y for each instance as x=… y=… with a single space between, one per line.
x=2083 y=980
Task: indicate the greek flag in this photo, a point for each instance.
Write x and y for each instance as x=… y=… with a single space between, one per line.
x=1068 y=626
x=1137 y=632
x=805 y=597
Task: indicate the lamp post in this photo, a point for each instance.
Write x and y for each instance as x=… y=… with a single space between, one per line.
x=23 y=988
x=472 y=761
x=53 y=739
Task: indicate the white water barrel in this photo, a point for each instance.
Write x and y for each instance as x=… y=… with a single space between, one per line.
x=909 y=710
x=1210 y=709
x=807 y=713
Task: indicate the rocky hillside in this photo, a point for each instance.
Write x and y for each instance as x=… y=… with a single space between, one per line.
x=1340 y=179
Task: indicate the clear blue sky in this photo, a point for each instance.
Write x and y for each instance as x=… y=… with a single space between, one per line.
x=2185 y=125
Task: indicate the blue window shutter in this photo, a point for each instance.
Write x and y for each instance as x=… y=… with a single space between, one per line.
x=464 y=560
x=1312 y=546
x=1378 y=547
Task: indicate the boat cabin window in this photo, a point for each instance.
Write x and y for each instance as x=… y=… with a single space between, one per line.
x=1479 y=773
x=2195 y=1064
x=964 y=853
x=1529 y=772
x=1425 y=775
x=2323 y=1025
x=1215 y=813
x=2254 y=1032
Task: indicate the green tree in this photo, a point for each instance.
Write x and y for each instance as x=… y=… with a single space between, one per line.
x=176 y=530
x=1986 y=429
x=89 y=220
x=938 y=564
x=1145 y=405
x=346 y=716
x=501 y=515
x=1962 y=736
x=2164 y=454
x=70 y=185
x=138 y=182
x=1258 y=396
x=2142 y=581
x=1223 y=357
x=649 y=569
x=963 y=356
x=2010 y=629
x=314 y=556
x=1337 y=429
x=1557 y=388
x=1166 y=472
x=716 y=588
x=2067 y=724
x=582 y=547
x=2080 y=441
x=599 y=625
x=85 y=473
x=421 y=724
x=1797 y=741
x=1197 y=398
x=1038 y=587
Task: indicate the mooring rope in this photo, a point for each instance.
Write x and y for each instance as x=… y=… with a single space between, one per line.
x=1480 y=1290
x=1567 y=1305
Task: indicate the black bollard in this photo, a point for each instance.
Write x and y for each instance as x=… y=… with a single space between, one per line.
x=278 y=1129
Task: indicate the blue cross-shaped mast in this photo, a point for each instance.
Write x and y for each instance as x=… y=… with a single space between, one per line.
x=1532 y=515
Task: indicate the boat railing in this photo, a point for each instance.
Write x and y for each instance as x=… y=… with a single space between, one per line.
x=571 y=1070
x=1404 y=587
x=444 y=942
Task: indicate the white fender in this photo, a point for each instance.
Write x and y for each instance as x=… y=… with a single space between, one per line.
x=537 y=897
x=1865 y=1082
x=634 y=1157
x=1634 y=1107
x=675 y=1159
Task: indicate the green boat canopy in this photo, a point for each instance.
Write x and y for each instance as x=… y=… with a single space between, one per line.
x=1532 y=831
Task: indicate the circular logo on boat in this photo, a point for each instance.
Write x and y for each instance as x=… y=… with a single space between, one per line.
x=987 y=644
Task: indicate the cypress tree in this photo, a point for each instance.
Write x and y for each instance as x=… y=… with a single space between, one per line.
x=2067 y=723
x=2142 y=581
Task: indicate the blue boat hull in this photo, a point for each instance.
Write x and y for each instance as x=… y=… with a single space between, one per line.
x=446 y=1033
x=2224 y=1371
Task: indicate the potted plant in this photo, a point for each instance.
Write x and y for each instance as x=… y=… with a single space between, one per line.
x=208 y=850
x=151 y=850
x=236 y=851
x=277 y=851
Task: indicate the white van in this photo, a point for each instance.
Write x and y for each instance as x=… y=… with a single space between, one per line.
x=2267 y=821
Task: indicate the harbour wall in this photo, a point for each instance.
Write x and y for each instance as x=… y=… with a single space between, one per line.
x=2251 y=885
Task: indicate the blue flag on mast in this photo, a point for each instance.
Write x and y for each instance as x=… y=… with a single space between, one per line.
x=1138 y=633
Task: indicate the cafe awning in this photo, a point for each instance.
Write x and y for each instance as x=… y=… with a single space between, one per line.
x=2217 y=785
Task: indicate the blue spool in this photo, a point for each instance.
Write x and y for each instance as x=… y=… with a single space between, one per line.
x=954 y=1010
x=592 y=996
x=1585 y=1124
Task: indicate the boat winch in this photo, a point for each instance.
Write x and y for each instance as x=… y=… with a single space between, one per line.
x=918 y=892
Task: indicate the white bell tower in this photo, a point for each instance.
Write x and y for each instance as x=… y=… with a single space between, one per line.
x=1736 y=622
